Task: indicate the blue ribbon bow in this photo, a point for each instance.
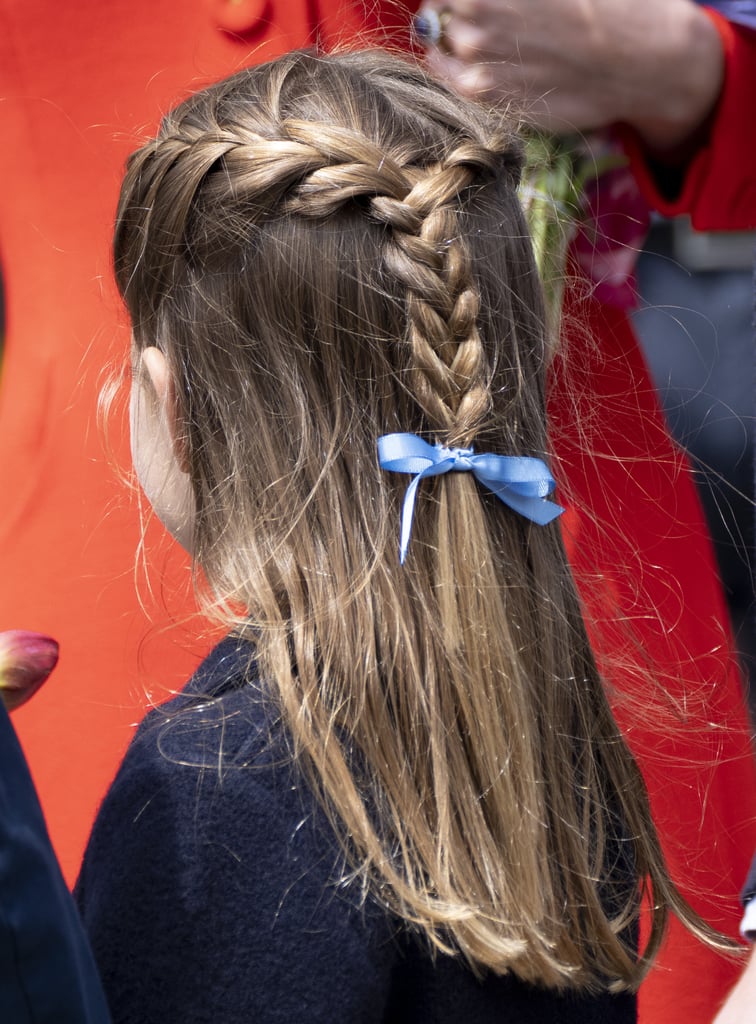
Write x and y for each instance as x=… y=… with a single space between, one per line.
x=521 y=482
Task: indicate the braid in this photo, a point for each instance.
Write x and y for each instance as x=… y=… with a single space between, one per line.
x=315 y=169
x=428 y=256
x=424 y=252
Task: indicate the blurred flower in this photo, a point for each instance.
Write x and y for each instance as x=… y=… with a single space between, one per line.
x=613 y=226
x=26 y=660
x=580 y=196
x=551 y=196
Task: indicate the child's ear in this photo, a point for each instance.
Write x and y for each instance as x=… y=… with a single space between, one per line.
x=156 y=367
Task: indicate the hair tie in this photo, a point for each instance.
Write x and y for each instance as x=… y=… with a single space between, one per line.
x=521 y=482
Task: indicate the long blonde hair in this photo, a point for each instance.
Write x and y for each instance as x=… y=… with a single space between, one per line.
x=328 y=249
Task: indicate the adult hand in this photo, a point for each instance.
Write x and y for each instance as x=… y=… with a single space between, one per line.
x=740 y=1007
x=584 y=64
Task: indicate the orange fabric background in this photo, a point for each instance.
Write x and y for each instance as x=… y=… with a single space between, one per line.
x=79 y=84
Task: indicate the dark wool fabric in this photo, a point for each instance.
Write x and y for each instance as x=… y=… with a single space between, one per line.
x=47 y=975
x=210 y=890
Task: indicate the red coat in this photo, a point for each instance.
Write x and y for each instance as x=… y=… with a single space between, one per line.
x=79 y=83
x=705 y=811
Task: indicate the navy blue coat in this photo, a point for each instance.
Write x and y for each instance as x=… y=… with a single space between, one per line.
x=210 y=890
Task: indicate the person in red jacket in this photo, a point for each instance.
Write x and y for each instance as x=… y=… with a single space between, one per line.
x=81 y=83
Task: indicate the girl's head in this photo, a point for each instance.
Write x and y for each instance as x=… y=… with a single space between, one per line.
x=326 y=250
x=314 y=253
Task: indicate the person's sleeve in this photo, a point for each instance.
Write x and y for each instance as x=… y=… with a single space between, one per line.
x=208 y=897
x=47 y=975
x=717 y=187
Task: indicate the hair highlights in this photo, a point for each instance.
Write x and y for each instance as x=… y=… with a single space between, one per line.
x=329 y=249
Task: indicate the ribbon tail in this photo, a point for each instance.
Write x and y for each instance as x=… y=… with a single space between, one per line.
x=538 y=510
x=408 y=511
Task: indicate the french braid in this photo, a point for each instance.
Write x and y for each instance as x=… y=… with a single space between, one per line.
x=313 y=170
x=425 y=252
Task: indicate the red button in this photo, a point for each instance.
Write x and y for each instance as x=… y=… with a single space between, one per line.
x=239 y=16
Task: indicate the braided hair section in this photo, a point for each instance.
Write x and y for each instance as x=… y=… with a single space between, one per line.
x=423 y=250
x=293 y=167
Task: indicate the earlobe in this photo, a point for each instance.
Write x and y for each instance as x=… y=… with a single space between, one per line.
x=156 y=366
